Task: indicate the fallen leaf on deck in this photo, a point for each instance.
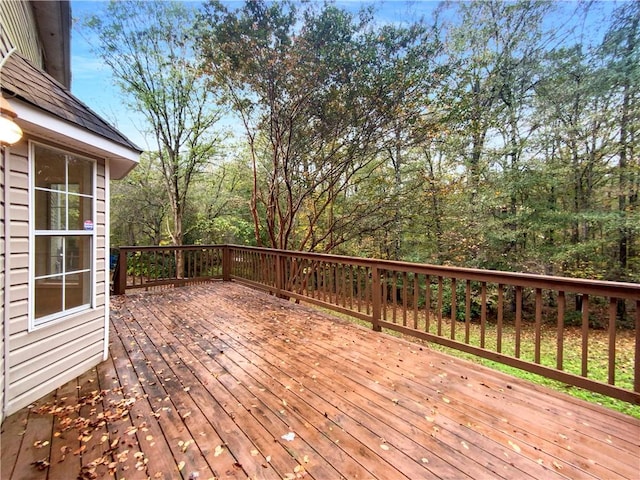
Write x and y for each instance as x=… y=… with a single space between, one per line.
x=384 y=446
x=255 y=453
x=181 y=465
x=465 y=445
x=289 y=437
x=218 y=451
x=557 y=465
x=446 y=400
x=41 y=464
x=514 y=446
x=425 y=460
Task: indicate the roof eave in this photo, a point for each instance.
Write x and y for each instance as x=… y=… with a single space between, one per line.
x=53 y=20
x=38 y=123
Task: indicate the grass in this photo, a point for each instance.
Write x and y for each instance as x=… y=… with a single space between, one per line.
x=598 y=342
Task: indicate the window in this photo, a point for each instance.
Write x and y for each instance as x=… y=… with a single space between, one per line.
x=63 y=234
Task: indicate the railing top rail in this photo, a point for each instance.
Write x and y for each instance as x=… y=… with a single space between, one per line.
x=147 y=248
x=531 y=280
x=591 y=287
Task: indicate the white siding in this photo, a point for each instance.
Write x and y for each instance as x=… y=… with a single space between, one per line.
x=2 y=264
x=47 y=357
x=19 y=24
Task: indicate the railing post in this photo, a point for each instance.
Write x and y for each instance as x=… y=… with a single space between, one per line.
x=376 y=301
x=120 y=280
x=226 y=264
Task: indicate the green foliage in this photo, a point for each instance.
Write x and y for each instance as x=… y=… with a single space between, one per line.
x=489 y=137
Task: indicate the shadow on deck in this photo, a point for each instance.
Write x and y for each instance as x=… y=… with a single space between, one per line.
x=221 y=381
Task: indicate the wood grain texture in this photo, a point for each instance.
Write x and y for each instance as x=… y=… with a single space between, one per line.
x=221 y=381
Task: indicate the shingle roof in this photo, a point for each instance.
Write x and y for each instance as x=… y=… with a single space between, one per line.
x=25 y=81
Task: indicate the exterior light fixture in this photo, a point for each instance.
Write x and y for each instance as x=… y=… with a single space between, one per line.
x=10 y=132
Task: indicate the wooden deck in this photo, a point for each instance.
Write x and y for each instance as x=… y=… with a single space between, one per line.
x=220 y=381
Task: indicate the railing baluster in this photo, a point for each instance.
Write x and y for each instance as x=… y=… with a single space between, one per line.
x=454 y=308
x=394 y=295
x=518 y=318
x=538 y=326
x=483 y=313
x=384 y=294
x=404 y=298
x=585 y=335
x=427 y=304
x=636 y=364
x=467 y=312
x=500 y=318
x=560 y=331
x=440 y=306
x=416 y=295
x=613 y=306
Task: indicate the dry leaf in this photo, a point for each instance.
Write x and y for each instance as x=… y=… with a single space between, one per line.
x=384 y=446
x=289 y=436
x=464 y=444
x=514 y=446
x=255 y=453
x=425 y=460
x=181 y=465
x=218 y=451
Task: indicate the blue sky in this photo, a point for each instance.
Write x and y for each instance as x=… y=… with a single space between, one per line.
x=92 y=82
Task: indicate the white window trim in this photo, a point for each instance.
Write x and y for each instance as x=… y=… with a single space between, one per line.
x=58 y=317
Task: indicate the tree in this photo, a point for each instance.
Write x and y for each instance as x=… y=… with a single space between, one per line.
x=318 y=106
x=138 y=211
x=621 y=50
x=148 y=46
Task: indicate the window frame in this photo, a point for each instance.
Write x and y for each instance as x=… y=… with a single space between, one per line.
x=47 y=320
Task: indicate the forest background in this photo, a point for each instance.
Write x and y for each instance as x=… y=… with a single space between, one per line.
x=498 y=135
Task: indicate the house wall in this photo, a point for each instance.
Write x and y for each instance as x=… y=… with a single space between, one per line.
x=40 y=360
x=2 y=265
x=18 y=23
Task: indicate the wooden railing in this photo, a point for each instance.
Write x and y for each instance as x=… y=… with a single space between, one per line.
x=542 y=324
x=152 y=267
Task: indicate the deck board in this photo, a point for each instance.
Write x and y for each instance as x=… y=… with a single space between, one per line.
x=204 y=382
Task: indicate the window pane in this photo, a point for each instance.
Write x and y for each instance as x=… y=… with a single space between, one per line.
x=48 y=255
x=80 y=175
x=48 y=293
x=49 y=168
x=78 y=290
x=78 y=253
x=80 y=210
x=50 y=213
